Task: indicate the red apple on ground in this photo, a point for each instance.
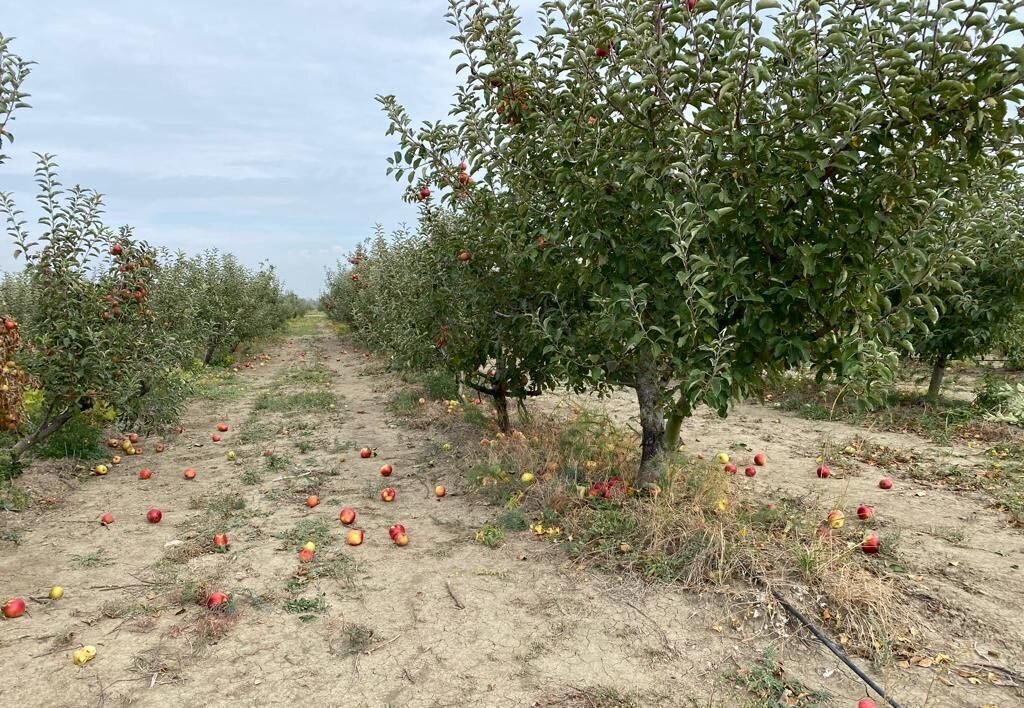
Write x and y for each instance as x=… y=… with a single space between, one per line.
x=145 y=473
x=440 y=491
x=760 y=459
x=865 y=512
x=365 y=453
x=388 y=494
x=386 y=470
x=395 y=530
x=305 y=556
x=823 y=472
x=750 y=471
x=885 y=483
x=871 y=544
x=354 y=537
x=464 y=256
x=347 y=516
x=178 y=429
x=107 y=519
x=216 y=599
x=215 y=438
x=189 y=473
x=312 y=500
x=730 y=468
x=835 y=519
x=15 y=607
x=153 y=516
x=220 y=540
x=133 y=438
x=866 y=703
x=222 y=427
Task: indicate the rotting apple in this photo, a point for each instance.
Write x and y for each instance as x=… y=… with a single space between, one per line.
x=388 y=494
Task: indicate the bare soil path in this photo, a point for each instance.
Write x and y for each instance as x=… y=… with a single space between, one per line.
x=441 y=622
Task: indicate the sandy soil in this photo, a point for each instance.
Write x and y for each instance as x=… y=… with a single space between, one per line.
x=443 y=621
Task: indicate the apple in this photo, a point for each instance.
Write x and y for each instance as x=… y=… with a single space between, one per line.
x=115 y=460
x=463 y=167
x=101 y=469
x=465 y=256
x=178 y=429
x=113 y=442
x=305 y=556
x=835 y=519
x=222 y=427
x=440 y=491
x=823 y=472
x=401 y=539
x=366 y=453
x=189 y=473
x=885 y=483
x=116 y=250
x=730 y=468
x=527 y=478
x=126 y=444
x=107 y=519
x=220 y=540
x=722 y=458
x=870 y=544
x=309 y=546
x=424 y=192
x=10 y=324
x=866 y=703
x=865 y=512
x=133 y=438
x=231 y=456
x=312 y=500
x=386 y=470
x=56 y=592
x=760 y=459
x=602 y=51
x=215 y=438
x=395 y=530
x=15 y=607
x=153 y=516
x=388 y=494
x=268 y=453
x=690 y=4
x=159 y=447
x=347 y=516
x=354 y=537
x=216 y=600
x=750 y=471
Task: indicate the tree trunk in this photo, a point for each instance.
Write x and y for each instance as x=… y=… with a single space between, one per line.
x=652 y=425
x=673 y=425
x=209 y=354
x=938 y=374
x=42 y=433
x=501 y=408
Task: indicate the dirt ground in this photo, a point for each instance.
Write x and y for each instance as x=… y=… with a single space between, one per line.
x=443 y=621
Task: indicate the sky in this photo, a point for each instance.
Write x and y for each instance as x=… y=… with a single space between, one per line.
x=250 y=126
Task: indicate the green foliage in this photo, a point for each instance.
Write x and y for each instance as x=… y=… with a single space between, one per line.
x=13 y=72
x=684 y=201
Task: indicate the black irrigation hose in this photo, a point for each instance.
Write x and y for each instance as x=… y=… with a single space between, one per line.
x=833 y=648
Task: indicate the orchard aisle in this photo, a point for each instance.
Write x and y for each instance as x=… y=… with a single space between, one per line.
x=443 y=621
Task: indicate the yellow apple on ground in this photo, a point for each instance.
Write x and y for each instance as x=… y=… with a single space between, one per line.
x=56 y=592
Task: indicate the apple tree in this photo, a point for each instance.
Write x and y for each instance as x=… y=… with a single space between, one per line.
x=729 y=189
x=13 y=72
x=978 y=302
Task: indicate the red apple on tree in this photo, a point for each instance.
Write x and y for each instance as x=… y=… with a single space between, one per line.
x=116 y=250
x=424 y=192
x=15 y=607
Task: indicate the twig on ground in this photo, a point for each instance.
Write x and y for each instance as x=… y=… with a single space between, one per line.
x=455 y=598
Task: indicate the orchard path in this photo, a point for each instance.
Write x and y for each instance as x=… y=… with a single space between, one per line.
x=441 y=622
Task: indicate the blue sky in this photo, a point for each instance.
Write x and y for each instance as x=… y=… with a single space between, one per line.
x=246 y=126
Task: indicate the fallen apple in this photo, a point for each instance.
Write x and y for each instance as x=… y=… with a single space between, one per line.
x=107 y=519
x=153 y=516
x=312 y=500
x=56 y=592
x=222 y=427
x=722 y=458
x=866 y=703
x=730 y=468
x=101 y=470
x=178 y=429
x=401 y=539
x=305 y=556
x=347 y=516
x=15 y=607
x=145 y=473
x=159 y=447
x=354 y=537
x=231 y=456
x=189 y=473
x=386 y=470
x=115 y=460
x=388 y=494
x=133 y=438
x=216 y=600
x=309 y=546
x=835 y=519
x=871 y=544
x=395 y=530
x=750 y=471
x=215 y=438
x=440 y=491
x=865 y=512
x=760 y=459
x=526 y=478
x=220 y=540
x=365 y=453
x=885 y=483
x=823 y=472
